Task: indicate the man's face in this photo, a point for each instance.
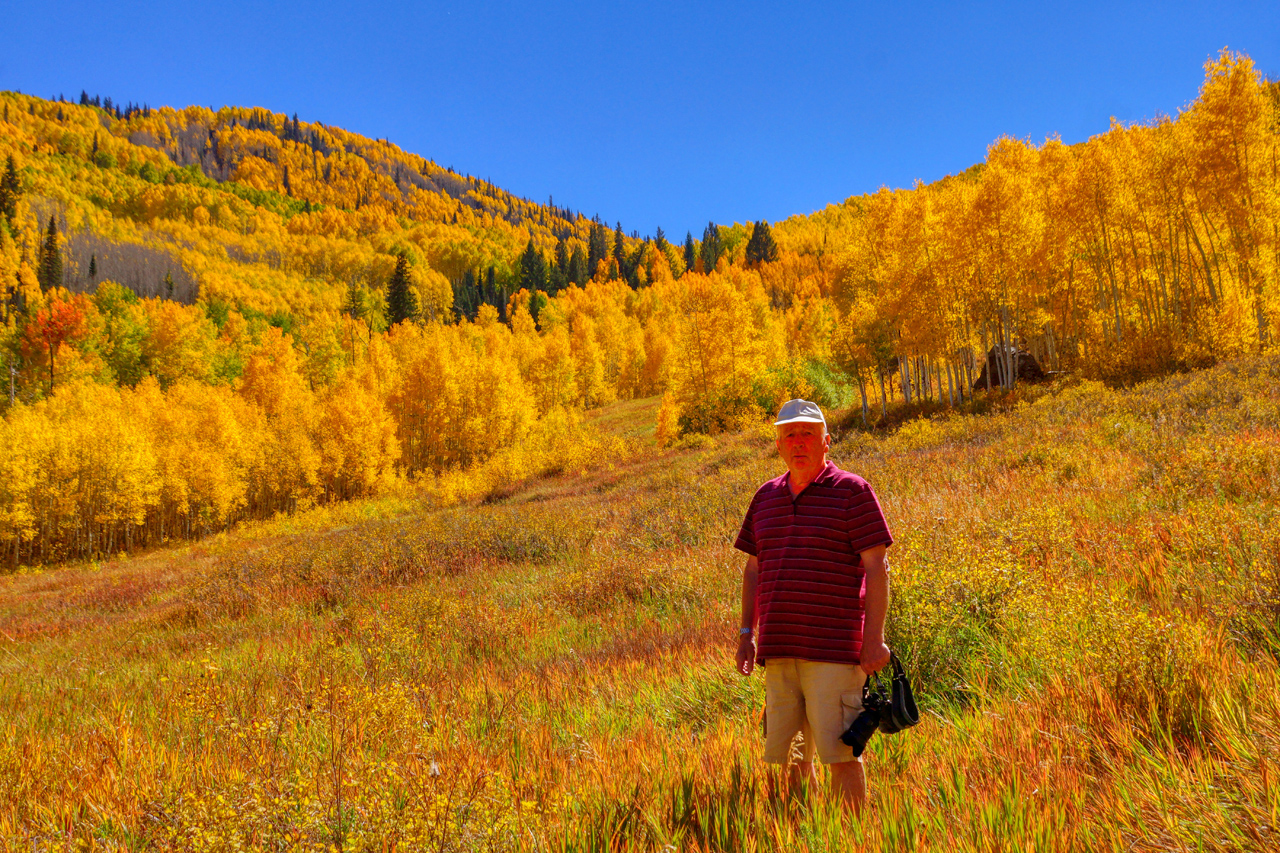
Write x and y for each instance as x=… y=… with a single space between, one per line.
x=803 y=446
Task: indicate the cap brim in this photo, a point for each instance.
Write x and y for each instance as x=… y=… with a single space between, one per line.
x=800 y=419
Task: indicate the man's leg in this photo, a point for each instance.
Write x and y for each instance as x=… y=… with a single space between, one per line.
x=849 y=783
x=833 y=699
x=801 y=774
x=792 y=780
x=785 y=713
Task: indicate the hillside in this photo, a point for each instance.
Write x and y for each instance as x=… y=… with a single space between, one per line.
x=211 y=317
x=1085 y=588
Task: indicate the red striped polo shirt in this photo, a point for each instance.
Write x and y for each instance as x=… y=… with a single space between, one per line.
x=809 y=600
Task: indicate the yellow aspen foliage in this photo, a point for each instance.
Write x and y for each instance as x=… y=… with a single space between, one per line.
x=588 y=364
x=94 y=472
x=24 y=430
x=180 y=342
x=273 y=381
x=209 y=445
x=419 y=403
x=435 y=295
x=487 y=317
x=668 y=426
x=461 y=396
x=809 y=326
x=552 y=372
x=654 y=372
x=326 y=352
x=357 y=441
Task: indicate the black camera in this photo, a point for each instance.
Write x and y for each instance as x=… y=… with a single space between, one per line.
x=887 y=706
x=874 y=708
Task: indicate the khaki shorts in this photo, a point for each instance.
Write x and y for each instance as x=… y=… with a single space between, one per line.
x=816 y=700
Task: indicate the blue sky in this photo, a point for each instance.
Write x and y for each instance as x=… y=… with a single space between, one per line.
x=657 y=114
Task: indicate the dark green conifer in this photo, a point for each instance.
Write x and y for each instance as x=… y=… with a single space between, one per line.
x=402 y=304
x=578 y=266
x=710 y=247
x=533 y=269
x=560 y=271
x=597 y=245
x=690 y=251
x=49 y=273
x=761 y=248
x=9 y=191
x=620 y=250
x=562 y=255
x=93 y=267
x=634 y=263
x=500 y=293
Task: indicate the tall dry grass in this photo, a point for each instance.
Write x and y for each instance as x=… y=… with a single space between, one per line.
x=1086 y=589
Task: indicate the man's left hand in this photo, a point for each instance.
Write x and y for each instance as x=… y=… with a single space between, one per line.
x=875 y=657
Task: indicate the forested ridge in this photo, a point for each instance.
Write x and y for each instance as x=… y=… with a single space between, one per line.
x=210 y=316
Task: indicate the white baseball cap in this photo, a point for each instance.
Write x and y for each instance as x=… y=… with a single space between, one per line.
x=801 y=411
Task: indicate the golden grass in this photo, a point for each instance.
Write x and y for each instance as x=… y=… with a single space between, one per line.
x=1086 y=587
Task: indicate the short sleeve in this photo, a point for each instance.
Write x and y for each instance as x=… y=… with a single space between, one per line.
x=867 y=525
x=746 y=541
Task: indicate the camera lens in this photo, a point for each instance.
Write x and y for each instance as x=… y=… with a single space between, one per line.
x=864 y=726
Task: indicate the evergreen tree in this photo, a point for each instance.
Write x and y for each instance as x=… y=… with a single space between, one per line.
x=761 y=248
x=620 y=250
x=9 y=192
x=466 y=297
x=660 y=240
x=690 y=251
x=710 y=247
x=49 y=273
x=499 y=293
x=562 y=255
x=578 y=267
x=537 y=301
x=402 y=304
x=533 y=269
x=93 y=267
x=634 y=263
x=560 y=271
x=168 y=284
x=597 y=245
x=556 y=280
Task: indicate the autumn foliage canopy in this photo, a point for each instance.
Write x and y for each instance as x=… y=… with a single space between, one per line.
x=210 y=316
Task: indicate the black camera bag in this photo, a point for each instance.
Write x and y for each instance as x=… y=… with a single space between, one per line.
x=897 y=704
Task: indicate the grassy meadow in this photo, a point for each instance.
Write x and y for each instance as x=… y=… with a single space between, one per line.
x=1086 y=589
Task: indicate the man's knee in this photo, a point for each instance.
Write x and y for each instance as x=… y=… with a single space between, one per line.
x=847 y=777
x=848 y=781
x=846 y=769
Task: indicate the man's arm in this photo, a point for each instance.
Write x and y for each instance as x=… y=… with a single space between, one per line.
x=746 y=657
x=875 y=654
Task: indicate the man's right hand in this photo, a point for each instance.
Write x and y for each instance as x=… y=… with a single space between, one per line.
x=746 y=654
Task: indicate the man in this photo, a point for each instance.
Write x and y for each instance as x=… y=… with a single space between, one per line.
x=814 y=594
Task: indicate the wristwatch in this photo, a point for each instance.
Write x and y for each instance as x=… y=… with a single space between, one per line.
x=744 y=632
